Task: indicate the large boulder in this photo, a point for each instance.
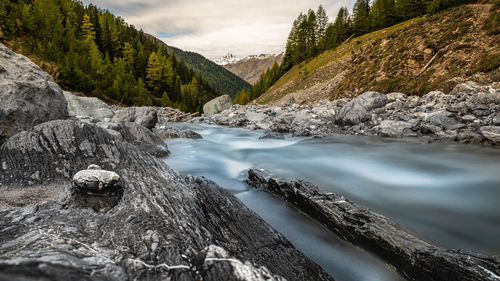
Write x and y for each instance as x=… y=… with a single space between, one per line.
x=143 y=138
x=144 y=116
x=492 y=133
x=28 y=95
x=358 y=110
x=217 y=105
x=87 y=106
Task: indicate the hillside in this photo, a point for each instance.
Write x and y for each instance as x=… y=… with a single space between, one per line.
x=251 y=67
x=414 y=57
x=222 y=80
x=92 y=51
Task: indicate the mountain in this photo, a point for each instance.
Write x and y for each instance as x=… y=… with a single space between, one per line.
x=222 y=80
x=251 y=67
x=94 y=52
x=227 y=59
x=427 y=53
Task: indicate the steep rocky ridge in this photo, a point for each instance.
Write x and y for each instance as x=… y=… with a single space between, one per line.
x=251 y=68
x=414 y=57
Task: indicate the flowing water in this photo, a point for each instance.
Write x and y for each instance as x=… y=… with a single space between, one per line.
x=448 y=194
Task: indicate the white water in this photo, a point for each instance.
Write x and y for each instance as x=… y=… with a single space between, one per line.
x=446 y=194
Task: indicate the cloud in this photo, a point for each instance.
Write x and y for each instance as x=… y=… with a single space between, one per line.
x=216 y=27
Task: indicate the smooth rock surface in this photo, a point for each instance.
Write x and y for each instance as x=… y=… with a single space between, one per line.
x=87 y=106
x=217 y=105
x=412 y=257
x=28 y=95
x=144 y=116
x=492 y=133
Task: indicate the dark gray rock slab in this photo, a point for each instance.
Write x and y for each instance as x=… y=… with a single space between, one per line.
x=29 y=96
x=162 y=227
x=411 y=256
x=358 y=110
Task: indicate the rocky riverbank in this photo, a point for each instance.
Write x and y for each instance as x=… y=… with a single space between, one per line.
x=411 y=256
x=84 y=196
x=470 y=113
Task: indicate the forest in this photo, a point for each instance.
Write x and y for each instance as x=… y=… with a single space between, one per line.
x=98 y=54
x=312 y=33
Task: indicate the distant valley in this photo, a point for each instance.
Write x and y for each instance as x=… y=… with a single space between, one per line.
x=249 y=68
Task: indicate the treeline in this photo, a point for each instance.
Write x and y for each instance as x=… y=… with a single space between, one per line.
x=312 y=34
x=99 y=54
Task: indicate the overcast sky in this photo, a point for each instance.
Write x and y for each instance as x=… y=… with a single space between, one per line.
x=214 y=28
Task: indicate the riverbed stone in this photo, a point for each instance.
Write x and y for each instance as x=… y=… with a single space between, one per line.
x=87 y=106
x=95 y=179
x=144 y=116
x=217 y=105
x=492 y=133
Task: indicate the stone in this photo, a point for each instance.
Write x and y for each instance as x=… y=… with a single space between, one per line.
x=87 y=106
x=190 y=134
x=358 y=110
x=167 y=132
x=411 y=256
x=28 y=95
x=144 y=116
x=391 y=128
x=144 y=139
x=395 y=96
x=492 y=133
x=95 y=179
x=272 y=135
x=217 y=105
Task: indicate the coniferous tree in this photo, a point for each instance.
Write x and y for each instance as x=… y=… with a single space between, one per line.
x=382 y=14
x=322 y=22
x=361 y=20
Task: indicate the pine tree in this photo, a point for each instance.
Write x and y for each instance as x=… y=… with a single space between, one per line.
x=408 y=9
x=322 y=21
x=382 y=14
x=87 y=28
x=361 y=17
x=153 y=73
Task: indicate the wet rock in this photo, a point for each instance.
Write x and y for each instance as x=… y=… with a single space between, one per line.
x=410 y=255
x=144 y=116
x=190 y=134
x=272 y=135
x=391 y=128
x=87 y=106
x=217 y=105
x=156 y=230
x=95 y=178
x=167 y=132
x=492 y=133
x=28 y=95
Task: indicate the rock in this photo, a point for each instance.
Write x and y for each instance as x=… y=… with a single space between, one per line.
x=144 y=139
x=255 y=117
x=445 y=122
x=95 y=179
x=87 y=106
x=272 y=135
x=167 y=132
x=28 y=95
x=358 y=110
x=492 y=133
x=190 y=134
x=391 y=128
x=395 y=96
x=217 y=105
x=161 y=228
x=411 y=256
x=144 y=116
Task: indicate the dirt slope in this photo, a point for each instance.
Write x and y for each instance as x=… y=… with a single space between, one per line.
x=250 y=68
x=413 y=57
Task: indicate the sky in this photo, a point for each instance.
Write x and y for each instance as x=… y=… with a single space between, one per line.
x=214 y=28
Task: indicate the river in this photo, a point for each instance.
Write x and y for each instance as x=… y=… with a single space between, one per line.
x=448 y=194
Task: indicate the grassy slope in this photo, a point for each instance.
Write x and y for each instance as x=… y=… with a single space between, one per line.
x=454 y=42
